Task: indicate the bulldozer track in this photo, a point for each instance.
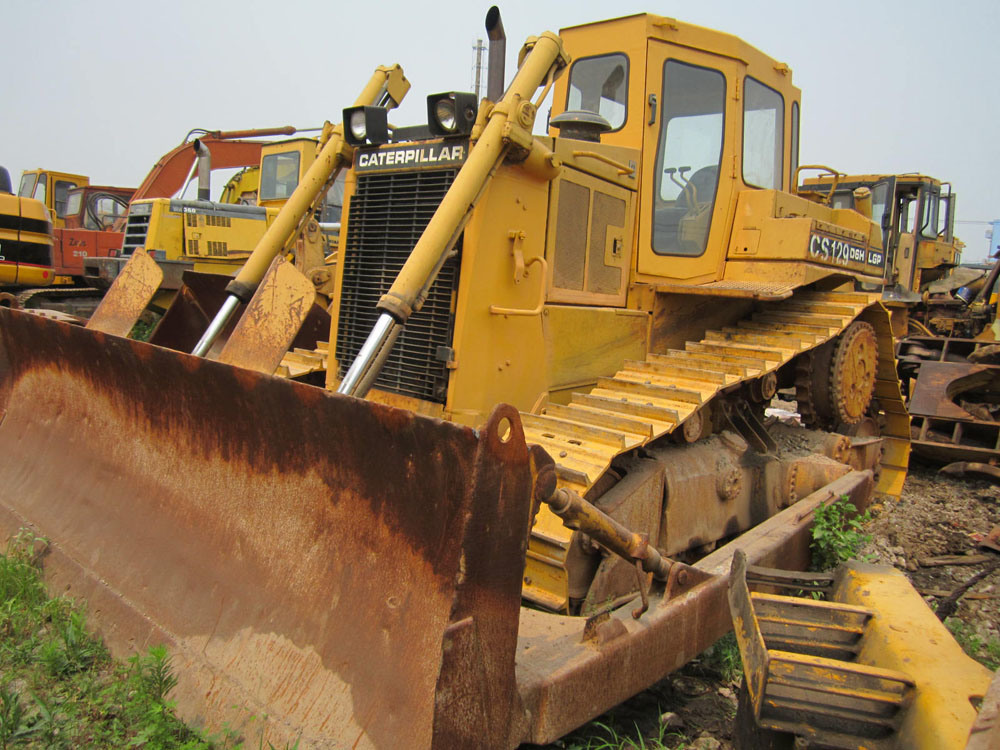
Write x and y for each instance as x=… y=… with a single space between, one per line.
x=55 y=295
x=648 y=400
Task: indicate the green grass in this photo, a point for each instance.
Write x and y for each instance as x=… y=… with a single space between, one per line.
x=142 y=329
x=837 y=533
x=636 y=723
x=60 y=688
x=985 y=651
x=607 y=737
x=724 y=657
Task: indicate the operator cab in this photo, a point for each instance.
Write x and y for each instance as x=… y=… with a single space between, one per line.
x=52 y=189
x=96 y=208
x=282 y=167
x=711 y=115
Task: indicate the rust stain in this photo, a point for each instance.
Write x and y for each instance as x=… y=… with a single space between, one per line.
x=264 y=526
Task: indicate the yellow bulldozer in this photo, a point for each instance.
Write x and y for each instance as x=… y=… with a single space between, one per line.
x=917 y=216
x=543 y=433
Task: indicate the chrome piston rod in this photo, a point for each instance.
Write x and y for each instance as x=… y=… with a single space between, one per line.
x=219 y=322
x=365 y=367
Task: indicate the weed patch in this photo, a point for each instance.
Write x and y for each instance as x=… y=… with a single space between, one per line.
x=724 y=657
x=984 y=650
x=60 y=688
x=837 y=533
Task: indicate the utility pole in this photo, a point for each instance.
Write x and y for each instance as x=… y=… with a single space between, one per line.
x=479 y=48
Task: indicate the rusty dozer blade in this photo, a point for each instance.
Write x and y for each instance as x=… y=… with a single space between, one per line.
x=348 y=570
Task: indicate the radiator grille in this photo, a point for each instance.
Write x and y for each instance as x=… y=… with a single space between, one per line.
x=387 y=214
x=135 y=233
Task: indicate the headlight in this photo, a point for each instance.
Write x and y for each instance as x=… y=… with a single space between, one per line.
x=451 y=113
x=140 y=209
x=357 y=125
x=445 y=113
x=366 y=125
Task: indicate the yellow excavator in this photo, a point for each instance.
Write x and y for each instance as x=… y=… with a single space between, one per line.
x=543 y=433
x=25 y=237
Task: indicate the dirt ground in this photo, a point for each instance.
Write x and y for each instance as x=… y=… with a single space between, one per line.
x=936 y=516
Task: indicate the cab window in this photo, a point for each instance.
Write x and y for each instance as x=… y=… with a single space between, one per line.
x=945 y=216
x=929 y=228
x=39 y=193
x=600 y=84
x=27 y=186
x=279 y=175
x=104 y=210
x=73 y=202
x=763 y=135
x=62 y=188
x=906 y=212
x=842 y=199
x=688 y=157
x=333 y=206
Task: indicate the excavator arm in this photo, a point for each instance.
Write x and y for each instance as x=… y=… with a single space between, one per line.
x=230 y=149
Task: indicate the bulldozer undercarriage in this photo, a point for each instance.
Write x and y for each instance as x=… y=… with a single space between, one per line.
x=685 y=425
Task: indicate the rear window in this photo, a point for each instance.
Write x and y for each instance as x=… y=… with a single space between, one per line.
x=73 y=203
x=279 y=175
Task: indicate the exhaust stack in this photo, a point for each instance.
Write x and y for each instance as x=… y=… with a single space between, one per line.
x=498 y=54
x=204 y=170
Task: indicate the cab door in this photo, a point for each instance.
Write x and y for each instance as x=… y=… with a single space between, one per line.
x=882 y=213
x=686 y=198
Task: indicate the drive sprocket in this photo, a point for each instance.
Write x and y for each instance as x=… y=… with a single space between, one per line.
x=852 y=376
x=835 y=383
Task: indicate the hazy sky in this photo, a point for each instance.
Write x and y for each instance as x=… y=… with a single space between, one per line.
x=105 y=87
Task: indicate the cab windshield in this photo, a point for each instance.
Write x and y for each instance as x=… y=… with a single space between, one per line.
x=27 y=185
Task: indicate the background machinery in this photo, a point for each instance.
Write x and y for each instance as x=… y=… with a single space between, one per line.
x=917 y=216
x=944 y=314
x=25 y=237
x=89 y=220
x=551 y=357
x=211 y=237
